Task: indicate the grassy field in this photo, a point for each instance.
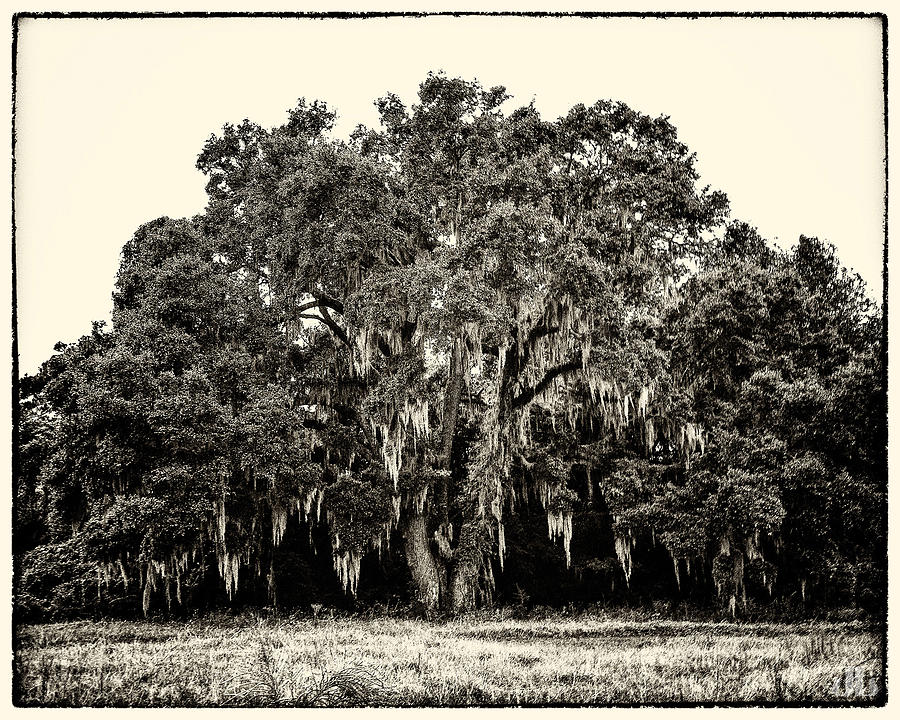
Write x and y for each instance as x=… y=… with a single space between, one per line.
x=477 y=660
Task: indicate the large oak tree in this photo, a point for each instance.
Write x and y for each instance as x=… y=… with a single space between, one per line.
x=415 y=332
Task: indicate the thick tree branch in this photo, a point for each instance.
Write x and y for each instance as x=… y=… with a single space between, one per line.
x=308 y=305
x=538 y=331
x=335 y=328
x=323 y=300
x=527 y=395
x=332 y=325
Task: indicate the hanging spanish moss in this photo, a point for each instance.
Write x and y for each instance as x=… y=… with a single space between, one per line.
x=392 y=431
x=229 y=569
x=542 y=489
x=346 y=565
x=559 y=524
x=751 y=546
x=156 y=571
x=105 y=572
x=692 y=438
x=221 y=521
x=315 y=495
x=649 y=435
x=149 y=587
x=624 y=545
x=347 y=559
x=279 y=523
x=471 y=347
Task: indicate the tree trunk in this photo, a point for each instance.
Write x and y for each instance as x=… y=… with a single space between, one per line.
x=448 y=430
x=429 y=578
x=463 y=585
x=451 y=403
x=464 y=571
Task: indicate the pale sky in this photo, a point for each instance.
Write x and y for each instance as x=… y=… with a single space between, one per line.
x=784 y=115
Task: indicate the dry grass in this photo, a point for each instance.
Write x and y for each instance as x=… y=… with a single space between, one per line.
x=477 y=660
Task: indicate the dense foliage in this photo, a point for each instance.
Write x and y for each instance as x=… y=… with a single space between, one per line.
x=463 y=357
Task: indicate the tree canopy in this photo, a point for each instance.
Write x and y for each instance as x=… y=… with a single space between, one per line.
x=466 y=320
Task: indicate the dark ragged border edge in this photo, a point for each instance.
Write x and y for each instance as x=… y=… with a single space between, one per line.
x=881 y=698
x=344 y=15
